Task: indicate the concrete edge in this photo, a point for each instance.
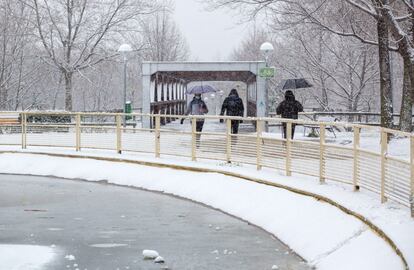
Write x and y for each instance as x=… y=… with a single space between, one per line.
x=318 y=197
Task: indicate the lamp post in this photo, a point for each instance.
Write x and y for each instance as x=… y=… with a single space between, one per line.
x=124 y=50
x=221 y=93
x=213 y=98
x=266 y=49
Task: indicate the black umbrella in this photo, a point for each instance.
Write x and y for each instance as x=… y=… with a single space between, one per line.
x=292 y=84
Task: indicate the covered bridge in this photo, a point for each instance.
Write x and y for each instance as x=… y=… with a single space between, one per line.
x=164 y=84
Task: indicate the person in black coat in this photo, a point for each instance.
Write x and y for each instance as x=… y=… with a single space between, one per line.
x=233 y=106
x=289 y=108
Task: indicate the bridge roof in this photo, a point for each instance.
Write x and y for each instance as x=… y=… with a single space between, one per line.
x=204 y=71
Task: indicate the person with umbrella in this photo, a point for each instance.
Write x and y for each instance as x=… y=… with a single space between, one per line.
x=233 y=106
x=289 y=108
x=197 y=106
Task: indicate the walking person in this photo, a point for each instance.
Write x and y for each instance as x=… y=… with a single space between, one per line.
x=197 y=107
x=233 y=106
x=289 y=108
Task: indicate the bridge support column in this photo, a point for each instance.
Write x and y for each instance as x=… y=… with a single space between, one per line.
x=162 y=109
x=146 y=98
x=168 y=107
x=412 y=175
x=173 y=97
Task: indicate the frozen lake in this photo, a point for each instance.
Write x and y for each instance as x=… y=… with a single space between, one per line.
x=107 y=227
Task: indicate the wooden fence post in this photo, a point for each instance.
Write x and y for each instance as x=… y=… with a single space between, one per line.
x=259 y=125
x=412 y=175
x=384 y=148
x=157 y=136
x=118 y=133
x=78 y=131
x=355 y=177
x=322 y=136
x=228 y=140
x=288 y=148
x=24 y=130
x=193 y=139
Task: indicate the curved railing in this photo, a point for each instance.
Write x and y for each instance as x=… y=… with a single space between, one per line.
x=365 y=157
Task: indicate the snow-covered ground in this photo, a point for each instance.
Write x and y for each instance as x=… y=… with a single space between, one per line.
x=25 y=257
x=325 y=236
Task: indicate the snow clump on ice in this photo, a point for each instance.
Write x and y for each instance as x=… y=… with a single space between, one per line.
x=150 y=254
x=70 y=257
x=159 y=259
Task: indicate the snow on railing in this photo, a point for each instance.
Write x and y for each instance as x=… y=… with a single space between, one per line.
x=373 y=158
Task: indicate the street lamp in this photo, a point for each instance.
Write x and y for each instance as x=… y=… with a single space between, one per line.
x=266 y=49
x=221 y=93
x=213 y=98
x=124 y=50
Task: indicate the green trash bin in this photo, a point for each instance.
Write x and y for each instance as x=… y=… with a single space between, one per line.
x=128 y=109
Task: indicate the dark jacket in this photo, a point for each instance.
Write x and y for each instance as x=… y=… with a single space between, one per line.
x=290 y=107
x=233 y=105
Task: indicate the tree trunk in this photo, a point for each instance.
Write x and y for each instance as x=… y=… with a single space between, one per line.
x=325 y=101
x=68 y=90
x=385 y=73
x=55 y=96
x=408 y=86
x=406 y=101
x=3 y=98
x=411 y=71
x=405 y=46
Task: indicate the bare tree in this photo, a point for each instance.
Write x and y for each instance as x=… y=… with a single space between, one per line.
x=344 y=71
x=16 y=63
x=406 y=110
x=73 y=33
x=162 y=40
x=387 y=17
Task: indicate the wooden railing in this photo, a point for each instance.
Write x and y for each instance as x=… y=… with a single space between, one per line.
x=364 y=157
x=170 y=107
x=367 y=118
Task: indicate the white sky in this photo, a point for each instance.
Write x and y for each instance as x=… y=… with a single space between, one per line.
x=210 y=35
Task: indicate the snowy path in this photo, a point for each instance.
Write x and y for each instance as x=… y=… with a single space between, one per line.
x=322 y=234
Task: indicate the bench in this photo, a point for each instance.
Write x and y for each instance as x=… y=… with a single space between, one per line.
x=108 y=124
x=9 y=121
x=315 y=129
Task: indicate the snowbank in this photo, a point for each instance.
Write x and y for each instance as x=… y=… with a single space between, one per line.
x=325 y=236
x=22 y=257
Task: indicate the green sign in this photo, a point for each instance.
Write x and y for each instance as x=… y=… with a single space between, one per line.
x=267 y=72
x=128 y=109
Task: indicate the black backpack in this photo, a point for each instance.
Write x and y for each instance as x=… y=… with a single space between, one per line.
x=232 y=104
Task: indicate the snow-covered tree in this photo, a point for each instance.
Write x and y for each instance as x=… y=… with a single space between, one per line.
x=74 y=34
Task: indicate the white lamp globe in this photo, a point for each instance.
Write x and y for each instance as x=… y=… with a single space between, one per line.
x=267 y=47
x=124 y=49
